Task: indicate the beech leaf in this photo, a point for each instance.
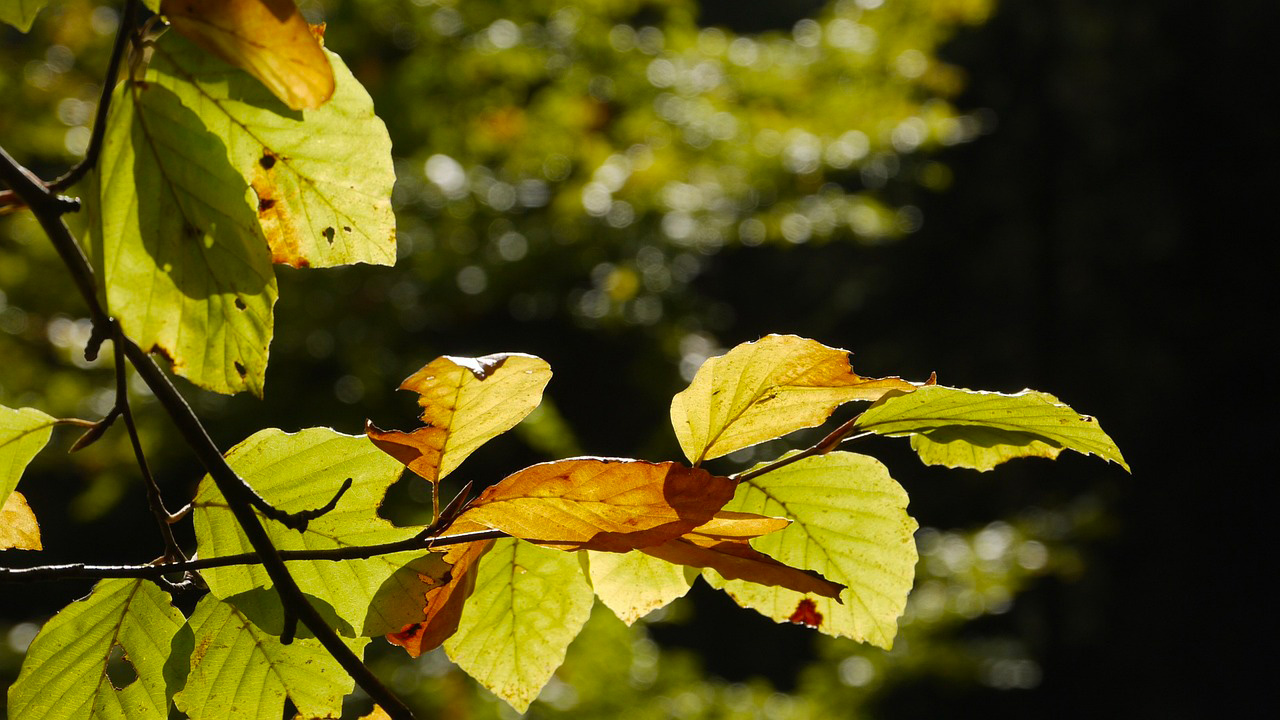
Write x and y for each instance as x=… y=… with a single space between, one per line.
x=64 y=676
x=465 y=403
x=849 y=524
x=977 y=429
x=633 y=584
x=23 y=433
x=21 y=13
x=601 y=503
x=765 y=389
x=322 y=178
x=239 y=668
x=529 y=604
x=187 y=272
x=268 y=38
x=301 y=471
x=18 y=527
x=444 y=602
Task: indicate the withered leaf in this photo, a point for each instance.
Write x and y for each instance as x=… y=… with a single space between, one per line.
x=444 y=603
x=268 y=38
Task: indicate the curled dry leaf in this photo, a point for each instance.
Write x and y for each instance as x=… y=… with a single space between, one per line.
x=601 y=504
x=268 y=38
x=765 y=389
x=444 y=603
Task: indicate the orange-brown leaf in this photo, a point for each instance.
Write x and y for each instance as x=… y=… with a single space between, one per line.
x=268 y=38
x=601 y=504
x=444 y=603
x=735 y=558
x=419 y=450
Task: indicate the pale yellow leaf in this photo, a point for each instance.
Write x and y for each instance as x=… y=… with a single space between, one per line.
x=18 y=527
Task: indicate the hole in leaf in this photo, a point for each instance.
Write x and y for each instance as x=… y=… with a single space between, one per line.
x=328 y=234
x=240 y=304
x=240 y=369
x=119 y=670
x=346 y=228
x=267 y=161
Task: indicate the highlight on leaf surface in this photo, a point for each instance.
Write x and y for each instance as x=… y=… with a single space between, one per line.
x=303 y=470
x=444 y=602
x=18 y=527
x=268 y=38
x=465 y=403
x=322 y=178
x=65 y=673
x=601 y=503
x=529 y=604
x=978 y=429
x=849 y=523
x=765 y=389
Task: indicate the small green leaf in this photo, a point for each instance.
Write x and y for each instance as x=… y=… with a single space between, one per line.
x=301 y=471
x=21 y=13
x=240 y=670
x=968 y=428
x=187 y=270
x=23 y=433
x=633 y=584
x=850 y=525
x=322 y=177
x=65 y=673
x=528 y=605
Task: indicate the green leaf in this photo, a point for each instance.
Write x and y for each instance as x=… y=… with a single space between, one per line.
x=21 y=13
x=240 y=670
x=974 y=429
x=633 y=584
x=322 y=177
x=528 y=605
x=850 y=525
x=765 y=389
x=23 y=433
x=187 y=270
x=65 y=674
x=302 y=471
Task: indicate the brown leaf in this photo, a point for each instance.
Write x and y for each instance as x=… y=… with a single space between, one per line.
x=268 y=38
x=419 y=450
x=735 y=559
x=601 y=504
x=444 y=603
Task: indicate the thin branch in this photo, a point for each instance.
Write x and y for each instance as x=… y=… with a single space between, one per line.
x=80 y=571
x=833 y=440
x=298 y=520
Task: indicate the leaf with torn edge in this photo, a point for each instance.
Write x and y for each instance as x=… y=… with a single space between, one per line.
x=23 y=433
x=765 y=389
x=66 y=675
x=976 y=429
x=849 y=523
x=444 y=603
x=465 y=403
x=268 y=38
x=18 y=527
x=303 y=470
x=322 y=178
x=601 y=503
x=239 y=668
x=529 y=604
x=172 y=231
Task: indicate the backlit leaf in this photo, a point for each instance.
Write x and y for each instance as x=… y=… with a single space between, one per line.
x=65 y=673
x=322 y=178
x=23 y=433
x=601 y=503
x=20 y=13
x=240 y=670
x=301 y=471
x=529 y=604
x=633 y=584
x=465 y=403
x=849 y=524
x=975 y=429
x=444 y=603
x=765 y=389
x=18 y=527
x=268 y=38
x=187 y=271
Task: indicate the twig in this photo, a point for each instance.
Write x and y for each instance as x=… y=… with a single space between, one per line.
x=833 y=440
x=298 y=520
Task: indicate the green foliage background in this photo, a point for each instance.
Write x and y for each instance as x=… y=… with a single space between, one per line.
x=613 y=186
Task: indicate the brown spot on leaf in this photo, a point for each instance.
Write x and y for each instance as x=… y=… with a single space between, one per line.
x=346 y=228
x=265 y=204
x=268 y=160
x=806 y=614
x=328 y=234
x=157 y=349
x=240 y=369
x=240 y=304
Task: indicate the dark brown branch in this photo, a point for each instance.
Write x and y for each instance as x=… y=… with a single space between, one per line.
x=298 y=520
x=833 y=440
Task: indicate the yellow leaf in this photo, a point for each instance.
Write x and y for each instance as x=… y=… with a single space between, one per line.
x=601 y=504
x=18 y=527
x=465 y=403
x=268 y=38
x=765 y=389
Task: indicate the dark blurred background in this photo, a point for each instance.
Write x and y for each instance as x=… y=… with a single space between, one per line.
x=1063 y=195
